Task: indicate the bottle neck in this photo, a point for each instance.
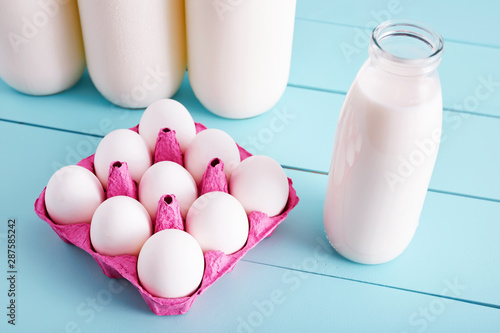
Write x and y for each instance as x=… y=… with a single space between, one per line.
x=406 y=48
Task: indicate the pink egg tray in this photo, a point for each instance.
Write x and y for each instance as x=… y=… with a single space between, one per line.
x=125 y=266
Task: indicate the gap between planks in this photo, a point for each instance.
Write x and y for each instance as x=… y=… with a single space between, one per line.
x=284 y=166
x=495 y=306
x=352 y=26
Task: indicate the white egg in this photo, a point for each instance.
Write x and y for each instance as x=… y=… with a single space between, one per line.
x=207 y=145
x=218 y=222
x=167 y=113
x=167 y=177
x=170 y=264
x=122 y=145
x=72 y=195
x=260 y=184
x=120 y=225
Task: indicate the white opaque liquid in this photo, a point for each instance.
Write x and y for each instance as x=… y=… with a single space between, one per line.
x=41 y=48
x=385 y=148
x=239 y=53
x=136 y=50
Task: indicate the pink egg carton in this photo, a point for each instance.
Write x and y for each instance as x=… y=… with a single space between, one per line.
x=125 y=266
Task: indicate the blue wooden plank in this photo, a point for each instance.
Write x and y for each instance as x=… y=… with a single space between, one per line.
x=474 y=22
x=62 y=289
x=467 y=162
x=331 y=59
x=288 y=124
x=72 y=292
x=445 y=281
x=80 y=108
x=456 y=244
x=298 y=132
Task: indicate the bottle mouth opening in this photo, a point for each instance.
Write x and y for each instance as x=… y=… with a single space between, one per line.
x=407 y=43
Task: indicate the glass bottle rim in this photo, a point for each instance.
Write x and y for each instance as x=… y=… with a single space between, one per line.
x=426 y=36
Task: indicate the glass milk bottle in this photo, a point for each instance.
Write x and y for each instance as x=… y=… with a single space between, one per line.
x=239 y=53
x=41 y=48
x=136 y=50
x=386 y=144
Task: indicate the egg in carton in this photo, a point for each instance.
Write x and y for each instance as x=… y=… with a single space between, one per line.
x=217 y=263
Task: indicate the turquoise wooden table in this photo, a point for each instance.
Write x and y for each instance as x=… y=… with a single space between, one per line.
x=447 y=280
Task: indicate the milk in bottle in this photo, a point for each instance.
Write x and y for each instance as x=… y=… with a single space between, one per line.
x=136 y=50
x=41 y=48
x=386 y=144
x=239 y=53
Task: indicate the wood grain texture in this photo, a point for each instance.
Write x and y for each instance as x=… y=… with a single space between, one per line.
x=446 y=280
